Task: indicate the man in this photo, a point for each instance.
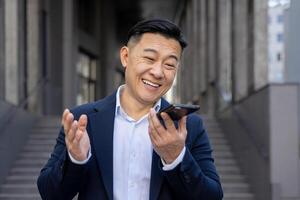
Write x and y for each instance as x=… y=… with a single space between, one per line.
x=117 y=148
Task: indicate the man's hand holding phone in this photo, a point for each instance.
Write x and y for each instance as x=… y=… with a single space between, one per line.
x=167 y=141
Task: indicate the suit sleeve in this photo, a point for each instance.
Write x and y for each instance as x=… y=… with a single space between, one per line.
x=196 y=176
x=60 y=178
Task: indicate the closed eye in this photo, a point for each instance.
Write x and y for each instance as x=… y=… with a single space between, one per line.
x=169 y=65
x=148 y=58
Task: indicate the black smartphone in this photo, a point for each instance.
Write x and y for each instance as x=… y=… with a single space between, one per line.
x=177 y=111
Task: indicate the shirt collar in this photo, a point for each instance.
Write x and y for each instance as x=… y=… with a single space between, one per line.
x=120 y=110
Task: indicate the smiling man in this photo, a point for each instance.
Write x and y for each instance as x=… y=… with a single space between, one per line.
x=116 y=148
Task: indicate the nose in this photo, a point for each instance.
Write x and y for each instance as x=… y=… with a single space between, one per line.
x=157 y=71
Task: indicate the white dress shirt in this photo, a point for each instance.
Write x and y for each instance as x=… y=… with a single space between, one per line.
x=132 y=155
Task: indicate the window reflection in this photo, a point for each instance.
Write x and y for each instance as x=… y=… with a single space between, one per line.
x=86 y=71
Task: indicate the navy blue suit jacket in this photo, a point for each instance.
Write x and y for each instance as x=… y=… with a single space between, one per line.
x=194 y=178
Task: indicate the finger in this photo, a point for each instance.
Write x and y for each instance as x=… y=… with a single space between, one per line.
x=170 y=126
x=153 y=133
x=68 y=122
x=82 y=122
x=77 y=138
x=182 y=125
x=72 y=131
x=64 y=116
x=157 y=129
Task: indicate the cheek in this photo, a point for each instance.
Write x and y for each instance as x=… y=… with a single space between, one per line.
x=170 y=76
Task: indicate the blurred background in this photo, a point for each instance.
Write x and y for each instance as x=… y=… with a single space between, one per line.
x=241 y=66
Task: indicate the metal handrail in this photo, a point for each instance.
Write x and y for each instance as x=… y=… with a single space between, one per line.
x=10 y=114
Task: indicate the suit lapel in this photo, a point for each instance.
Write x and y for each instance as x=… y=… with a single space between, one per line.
x=156 y=177
x=102 y=125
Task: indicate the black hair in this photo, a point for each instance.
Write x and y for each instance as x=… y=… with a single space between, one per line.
x=161 y=26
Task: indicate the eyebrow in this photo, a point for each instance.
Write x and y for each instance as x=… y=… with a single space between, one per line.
x=154 y=51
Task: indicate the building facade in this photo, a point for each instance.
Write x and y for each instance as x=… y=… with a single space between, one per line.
x=56 y=54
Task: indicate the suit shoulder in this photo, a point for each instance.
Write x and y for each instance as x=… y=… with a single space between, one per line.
x=195 y=120
x=87 y=109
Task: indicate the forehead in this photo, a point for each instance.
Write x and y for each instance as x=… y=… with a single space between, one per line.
x=159 y=42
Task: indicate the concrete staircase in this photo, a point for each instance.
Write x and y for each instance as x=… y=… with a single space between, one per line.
x=21 y=182
x=234 y=183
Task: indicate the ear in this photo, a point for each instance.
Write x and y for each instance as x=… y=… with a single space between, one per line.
x=124 y=55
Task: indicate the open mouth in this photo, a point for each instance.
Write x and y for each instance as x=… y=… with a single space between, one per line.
x=147 y=82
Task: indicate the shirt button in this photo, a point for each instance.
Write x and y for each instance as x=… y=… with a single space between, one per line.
x=187 y=178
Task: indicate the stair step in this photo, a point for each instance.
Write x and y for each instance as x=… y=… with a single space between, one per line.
x=35 y=155
x=21 y=179
x=222 y=162
x=222 y=154
x=19 y=196
x=236 y=178
x=235 y=187
x=43 y=136
x=38 y=148
x=228 y=169
x=41 y=142
x=19 y=188
x=238 y=196
x=31 y=161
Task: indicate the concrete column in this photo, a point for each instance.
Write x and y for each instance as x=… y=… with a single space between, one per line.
x=240 y=49
x=194 y=76
x=186 y=71
x=211 y=38
x=54 y=55
x=224 y=49
x=69 y=51
x=196 y=52
x=203 y=46
x=2 y=51
x=11 y=51
x=260 y=44
x=33 y=53
x=211 y=54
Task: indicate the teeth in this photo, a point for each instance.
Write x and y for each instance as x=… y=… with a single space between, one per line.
x=150 y=83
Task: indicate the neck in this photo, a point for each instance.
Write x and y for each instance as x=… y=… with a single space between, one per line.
x=132 y=106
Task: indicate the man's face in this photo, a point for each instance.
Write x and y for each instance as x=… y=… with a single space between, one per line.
x=151 y=65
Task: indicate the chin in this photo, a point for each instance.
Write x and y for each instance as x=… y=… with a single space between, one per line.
x=150 y=100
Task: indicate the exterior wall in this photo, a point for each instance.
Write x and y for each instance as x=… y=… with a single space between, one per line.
x=284 y=140
x=293 y=43
x=276 y=40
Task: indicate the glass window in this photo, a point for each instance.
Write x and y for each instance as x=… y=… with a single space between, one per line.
x=279 y=37
x=86 y=71
x=280 y=18
x=278 y=56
